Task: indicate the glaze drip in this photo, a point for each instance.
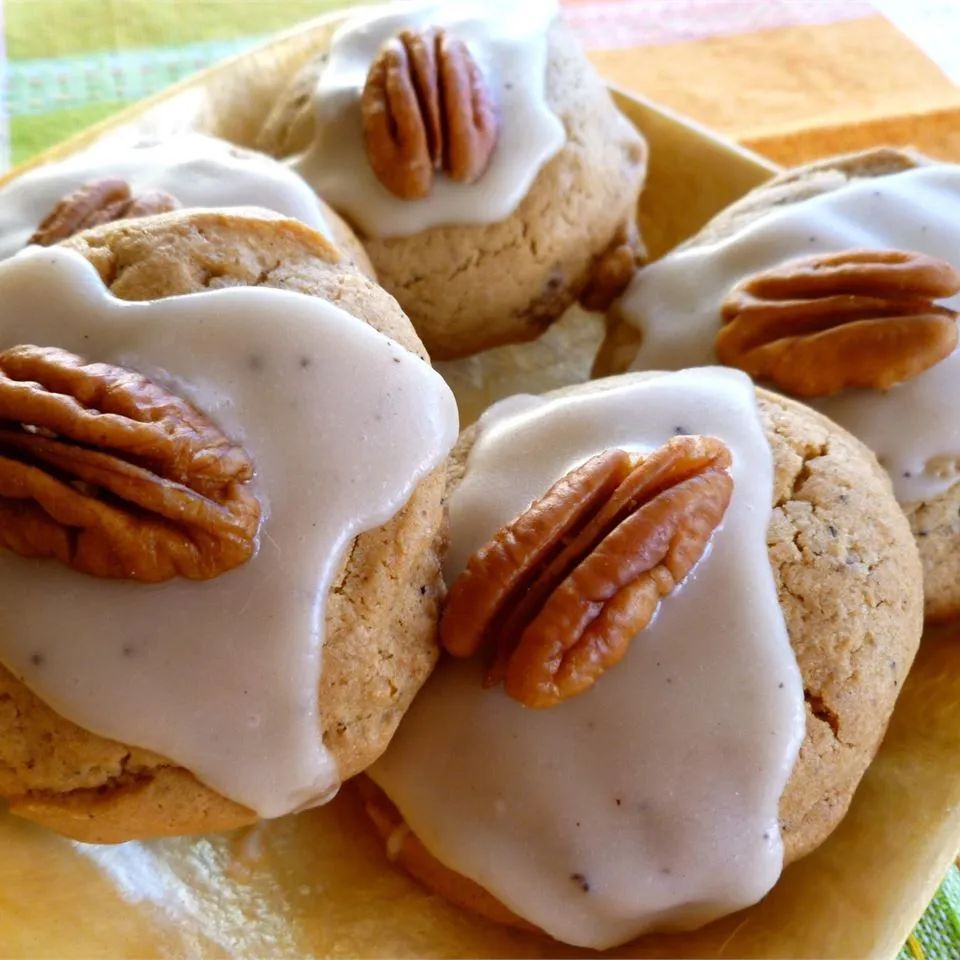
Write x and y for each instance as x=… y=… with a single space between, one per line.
x=222 y=676
x=651 y=800
x=508 y=40
x=197 y=170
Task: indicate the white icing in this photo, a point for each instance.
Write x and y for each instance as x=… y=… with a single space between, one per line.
x=676 y=304
x=199 y=171
x=222 y=676
x=508 y=40
x=658 y=787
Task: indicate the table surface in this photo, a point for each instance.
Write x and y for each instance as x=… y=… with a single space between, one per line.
x=792 y=79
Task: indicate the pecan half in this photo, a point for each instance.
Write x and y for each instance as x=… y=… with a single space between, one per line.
x=114 y=476
x=426 y=107
x=856 y=318
x=560 y=592
x=101 y=201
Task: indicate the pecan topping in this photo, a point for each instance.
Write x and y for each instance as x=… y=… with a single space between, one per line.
x=561 y=591
x=857 y=318
x=426 y=107
x=101 y=201
x=114 y=476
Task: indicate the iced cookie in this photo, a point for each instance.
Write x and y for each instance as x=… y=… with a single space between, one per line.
x=105 y=182
x=220 y=512
x=680 y=614
x=481 y=160
x=836 y=283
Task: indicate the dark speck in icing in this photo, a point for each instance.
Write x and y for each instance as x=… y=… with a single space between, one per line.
x=37 y=659
x=580 y=880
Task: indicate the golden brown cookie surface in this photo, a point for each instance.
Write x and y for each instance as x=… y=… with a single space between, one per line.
x=380 y=616
x=849 y=584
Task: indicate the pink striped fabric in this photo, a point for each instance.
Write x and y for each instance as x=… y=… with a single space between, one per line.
x=613 y=24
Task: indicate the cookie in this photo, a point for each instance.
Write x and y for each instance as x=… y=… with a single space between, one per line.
x=565 y=216
x=847 y=579
x=380 y=613
x=882 y=200
x=106 y=182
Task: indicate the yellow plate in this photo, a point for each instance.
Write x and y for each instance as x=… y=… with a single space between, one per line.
x=319 y=884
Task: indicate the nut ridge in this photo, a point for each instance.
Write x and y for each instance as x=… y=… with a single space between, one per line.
x=561 y=591
x=856 y=318
x=112 y=475
x=426 y=107
x=97 y=202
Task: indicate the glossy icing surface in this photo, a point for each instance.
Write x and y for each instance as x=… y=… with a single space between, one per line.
x=913 y=428
x=199 y=171
x=222 y=676
x=508 y=40
x=651 y=800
